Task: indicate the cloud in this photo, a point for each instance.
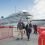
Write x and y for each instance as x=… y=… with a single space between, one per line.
x=36 y=1
x=38 y=9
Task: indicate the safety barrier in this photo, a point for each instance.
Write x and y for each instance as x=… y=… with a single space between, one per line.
x=6 y=32
x=41 y=38
x=40 y=29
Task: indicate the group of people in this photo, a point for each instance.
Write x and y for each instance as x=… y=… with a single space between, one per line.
x=27 y=27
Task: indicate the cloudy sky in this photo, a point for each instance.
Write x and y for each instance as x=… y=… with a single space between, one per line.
x=39 y=9
x=34 y=7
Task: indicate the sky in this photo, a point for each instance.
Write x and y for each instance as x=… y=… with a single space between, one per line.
x=38 y=9
x=34 y=7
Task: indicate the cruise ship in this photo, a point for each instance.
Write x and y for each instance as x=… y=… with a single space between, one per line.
x=13 y=19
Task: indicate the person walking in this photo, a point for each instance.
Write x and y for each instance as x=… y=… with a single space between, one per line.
x=35 y=29
x=28 y=30
x=20 y=27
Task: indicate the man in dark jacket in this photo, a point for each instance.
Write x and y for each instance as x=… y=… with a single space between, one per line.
x=28 y=30
x=20 y=27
